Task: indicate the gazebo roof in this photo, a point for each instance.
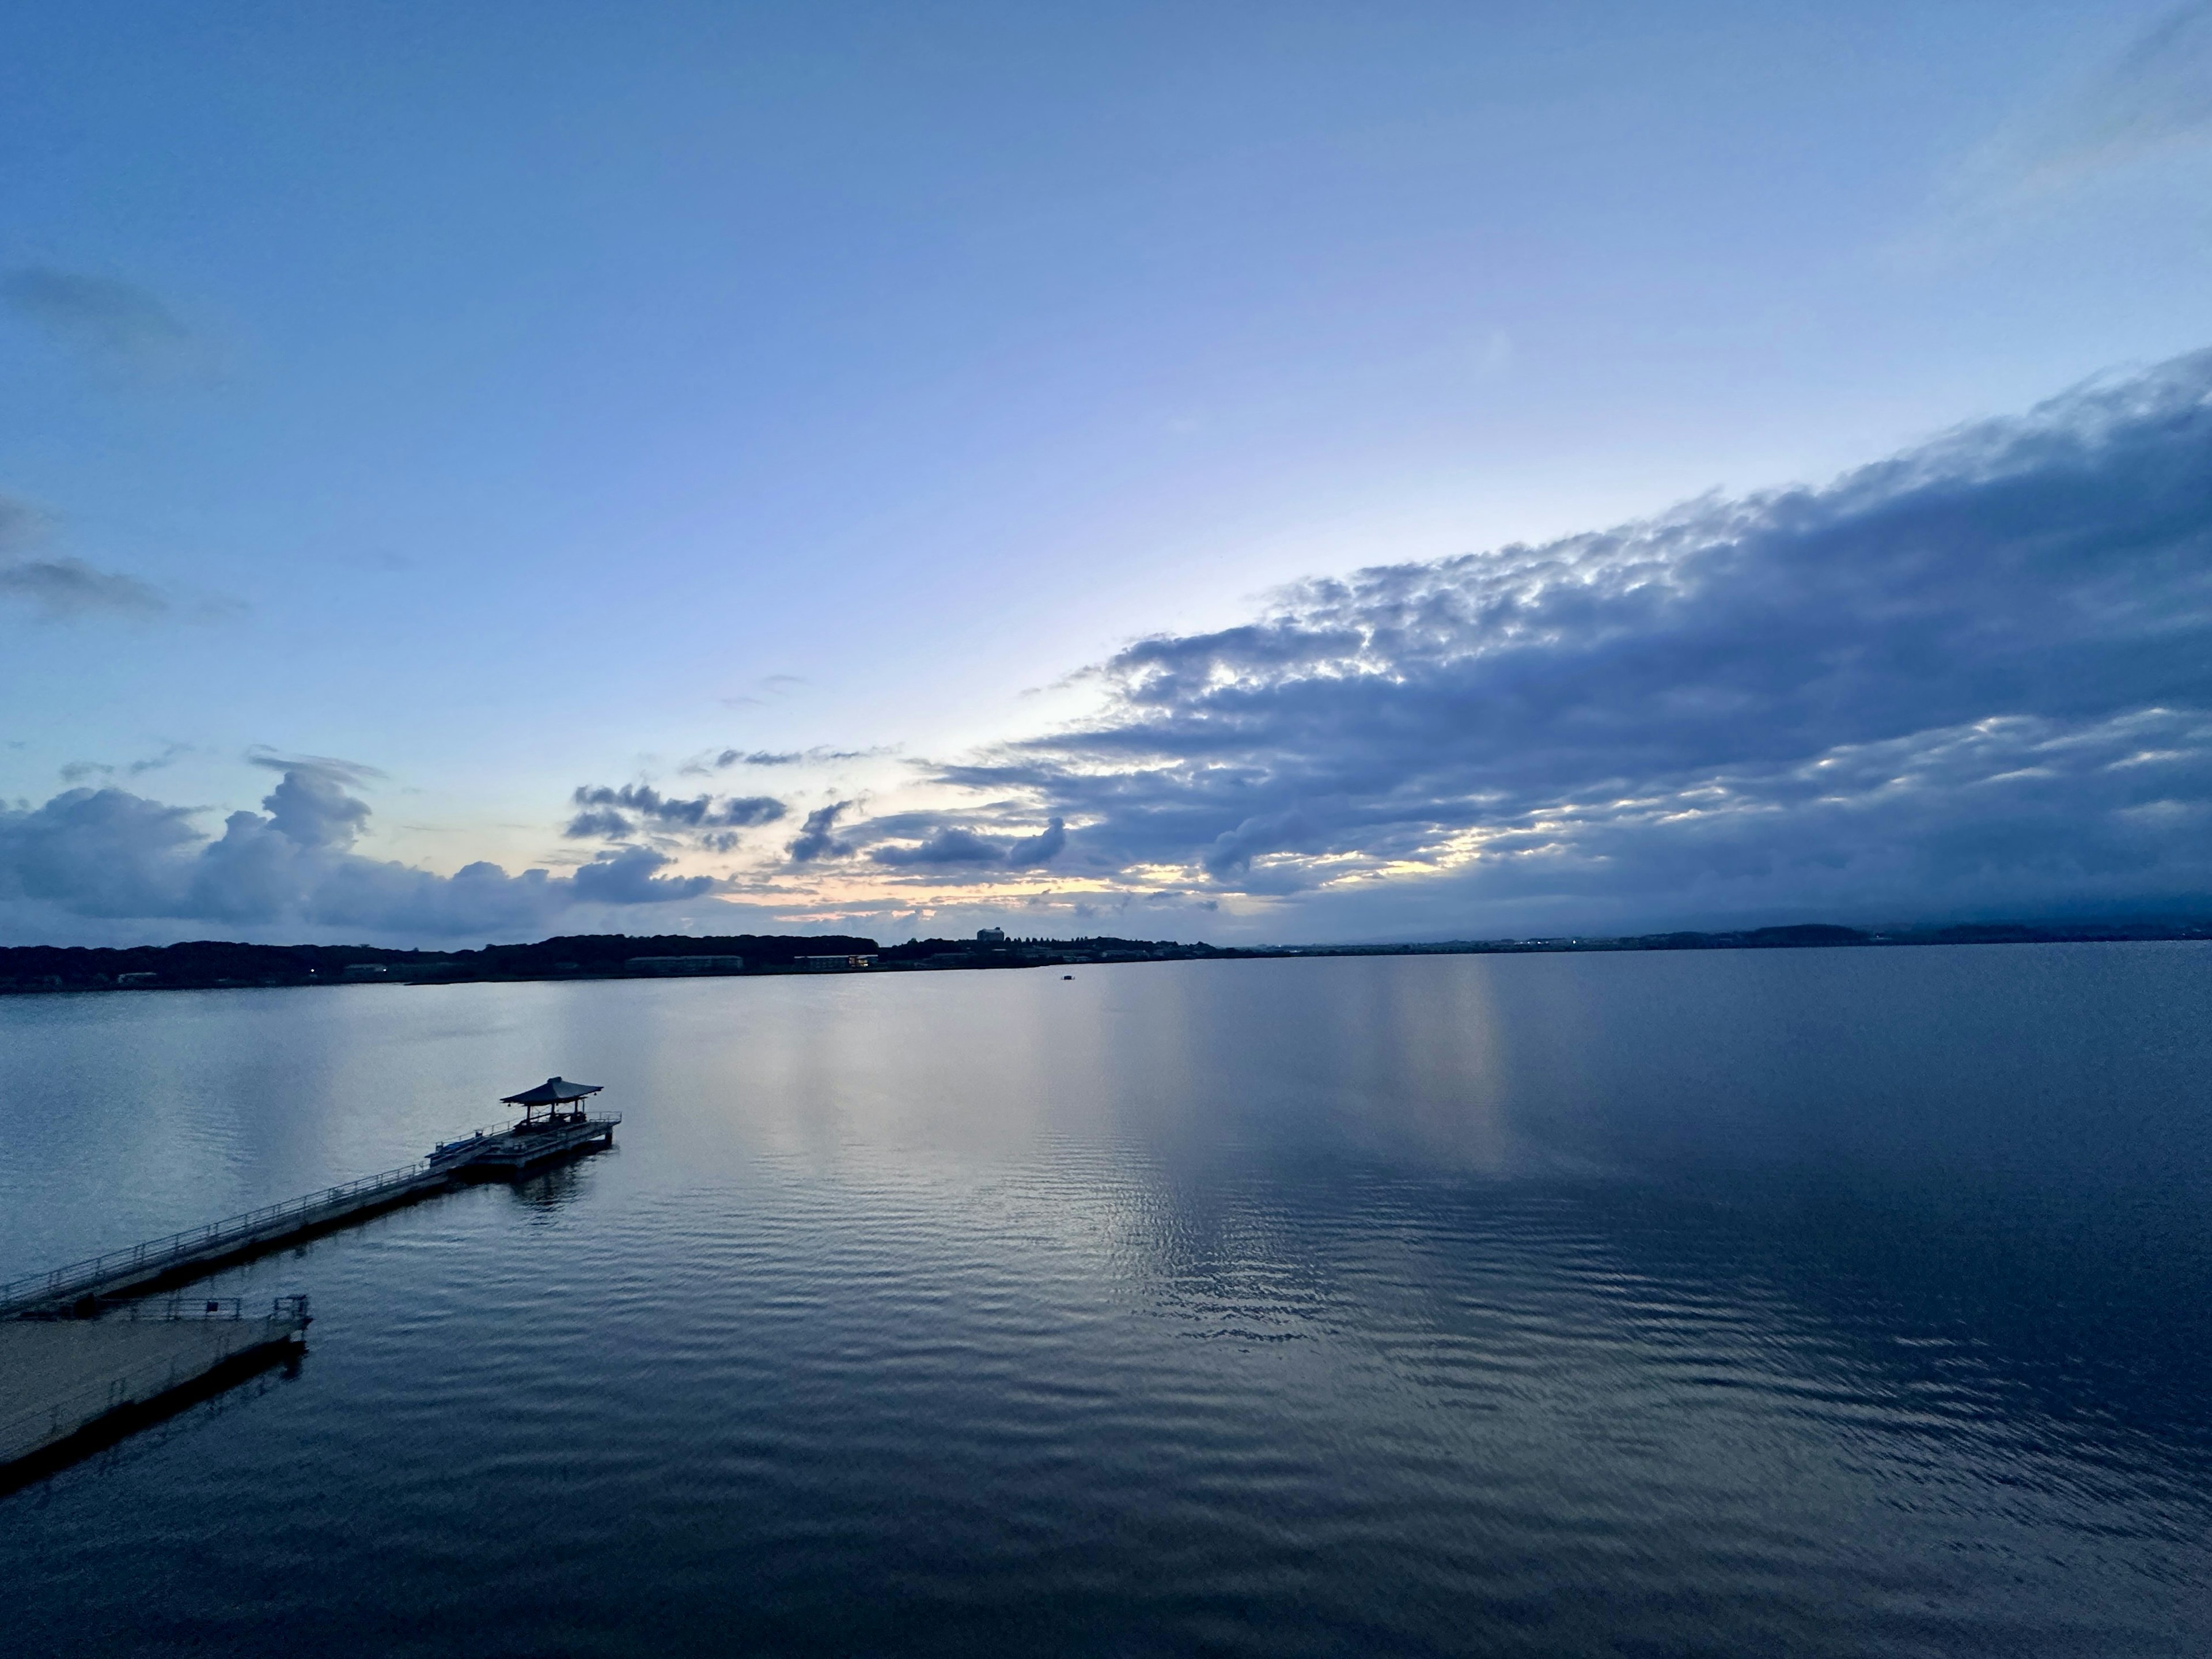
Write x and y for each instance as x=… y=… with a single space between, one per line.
x=554 y=1091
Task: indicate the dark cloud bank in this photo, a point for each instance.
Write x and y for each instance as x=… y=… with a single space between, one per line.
x=1975 y=680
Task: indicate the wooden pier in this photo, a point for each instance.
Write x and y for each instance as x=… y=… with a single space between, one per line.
x=83 y=1359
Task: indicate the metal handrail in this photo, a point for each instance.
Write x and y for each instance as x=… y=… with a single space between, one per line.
x=178 y=1308
x=199 y=1310
x=62 y=1284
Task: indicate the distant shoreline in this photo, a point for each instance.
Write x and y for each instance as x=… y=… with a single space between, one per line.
x=209 y=965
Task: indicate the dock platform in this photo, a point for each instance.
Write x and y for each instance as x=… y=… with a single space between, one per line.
x=72 y=1386
x=510 y=1151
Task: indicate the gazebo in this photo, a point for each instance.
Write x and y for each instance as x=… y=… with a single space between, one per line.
x=554 y=1094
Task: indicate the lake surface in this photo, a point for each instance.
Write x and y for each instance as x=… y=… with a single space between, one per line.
x=1825 y=1301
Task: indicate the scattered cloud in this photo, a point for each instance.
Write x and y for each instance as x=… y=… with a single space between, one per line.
x=770 y=688
x=714 y=761
x=63 y=588
x=59 y=587
x=118 y=325
x=599 y=825
x=78 y=771
x=727 y=759
x=730 y=757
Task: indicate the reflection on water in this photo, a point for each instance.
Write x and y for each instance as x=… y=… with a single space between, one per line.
x=551 y=1189
x=1814 y=1302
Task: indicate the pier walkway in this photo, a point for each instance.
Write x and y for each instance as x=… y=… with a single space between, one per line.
x=163 y=1263
x=140 y=1268
x=68 y=1386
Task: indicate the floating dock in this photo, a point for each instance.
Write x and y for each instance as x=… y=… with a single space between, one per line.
x=69 y=1387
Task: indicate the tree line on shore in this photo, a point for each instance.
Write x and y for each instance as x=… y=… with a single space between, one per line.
x=201 y=964
x=205 y=964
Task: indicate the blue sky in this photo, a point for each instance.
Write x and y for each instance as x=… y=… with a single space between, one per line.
x=437 y=438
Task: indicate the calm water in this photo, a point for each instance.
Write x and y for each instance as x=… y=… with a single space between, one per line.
x=1816 y=1302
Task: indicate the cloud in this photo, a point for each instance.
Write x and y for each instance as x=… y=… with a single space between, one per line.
x=627 y=877
x=2154 y=101
x=117 y=324
x=78 y=771
x=21 y=524
x=815 y=840
x=729 y=757
x=606 y=809
x=1232 y=851
x=312 y=810
x=598 y=824
x=1974 y=679
x=310 y=805
x=768 y=688
x=958 y=844
x=65 y=589
x=62 y=588
x=1977 y=676
x=109 y=854
x=327 y=767
x=743 y=811
x=950 y=845
x=1040 y=848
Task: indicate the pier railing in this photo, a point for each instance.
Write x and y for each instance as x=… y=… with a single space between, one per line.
x=171 y=1310
x=85 y=1278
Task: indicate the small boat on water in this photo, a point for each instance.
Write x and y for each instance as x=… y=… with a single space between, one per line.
x=555 y=1123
